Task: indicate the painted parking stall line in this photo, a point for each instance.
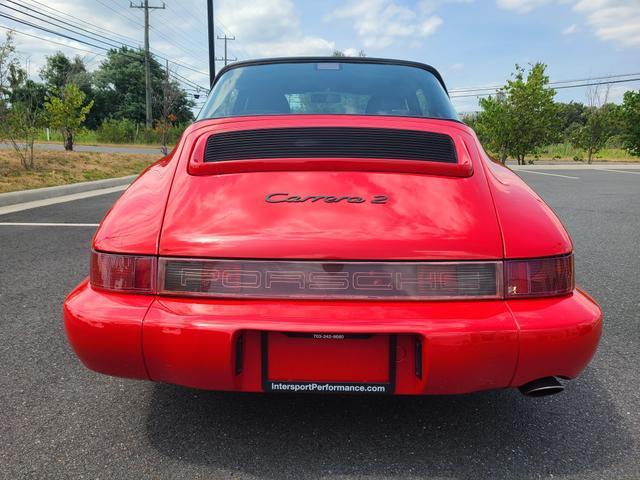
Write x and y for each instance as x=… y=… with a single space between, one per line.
x=33 y=224
x=616 y=171
x=547 y=174
x=18 y=207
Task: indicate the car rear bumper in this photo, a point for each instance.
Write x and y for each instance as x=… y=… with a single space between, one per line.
x=216 y=344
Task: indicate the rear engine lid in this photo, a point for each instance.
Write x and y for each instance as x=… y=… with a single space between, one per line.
x=328 y=208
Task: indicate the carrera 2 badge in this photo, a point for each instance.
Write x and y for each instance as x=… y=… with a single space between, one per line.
x=287 y=198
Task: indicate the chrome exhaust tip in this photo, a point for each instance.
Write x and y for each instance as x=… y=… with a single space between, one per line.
x=541 y=387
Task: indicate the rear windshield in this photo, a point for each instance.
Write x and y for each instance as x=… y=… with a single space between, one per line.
x=339 y=88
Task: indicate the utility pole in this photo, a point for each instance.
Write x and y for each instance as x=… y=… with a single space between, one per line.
x=212 y=43
x=165 y=110
x=147 y=62
x=226 y=59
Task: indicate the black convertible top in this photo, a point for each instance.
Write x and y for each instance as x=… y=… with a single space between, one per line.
x=371 y=60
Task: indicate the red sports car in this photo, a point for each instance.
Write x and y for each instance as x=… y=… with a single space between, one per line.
x=329 y=225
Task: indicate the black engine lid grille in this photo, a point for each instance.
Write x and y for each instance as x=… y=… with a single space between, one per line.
x=330 y=142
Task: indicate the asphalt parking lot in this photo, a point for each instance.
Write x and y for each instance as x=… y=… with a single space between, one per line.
x=59 y=420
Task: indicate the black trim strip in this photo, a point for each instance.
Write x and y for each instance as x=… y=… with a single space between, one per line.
x=239 y=353
x=418 y=358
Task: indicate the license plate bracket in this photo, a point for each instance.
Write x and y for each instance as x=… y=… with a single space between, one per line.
x=322 y=362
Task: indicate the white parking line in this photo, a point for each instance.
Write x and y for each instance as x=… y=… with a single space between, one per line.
x=31 y=224
x=18 y=207
x=617 y=171
x=549 y=174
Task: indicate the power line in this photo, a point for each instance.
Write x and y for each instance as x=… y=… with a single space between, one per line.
x=218 y=23
x=629 y=80
x=91 y=43
x=78 y=40
x=68 y=15
x=133 y=21
x=110 y=32
x=91 y=35
x=118 y=12
x=50 y=41
x=559 y=82
x=24 y=22
x=195 y=92
x=178 y=33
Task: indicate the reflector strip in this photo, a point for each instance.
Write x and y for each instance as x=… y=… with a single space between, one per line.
x=330 y=280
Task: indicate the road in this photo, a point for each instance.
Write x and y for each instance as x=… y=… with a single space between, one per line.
x=59 y=420
x=58 y=147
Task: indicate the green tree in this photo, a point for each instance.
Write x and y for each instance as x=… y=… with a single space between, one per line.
x=521 y=117
x=61 y=70
x=25 y=117
x=67 y=112
x=533 y=118
x=20 y=104
x=8 y=65
x=630 y=118
x=570 y=115
x=340 y=53
x=120 y=87
x=599 y=123
x=493 y=125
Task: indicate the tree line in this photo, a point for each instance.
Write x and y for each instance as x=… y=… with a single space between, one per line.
x=523 y=117
x=69 y=98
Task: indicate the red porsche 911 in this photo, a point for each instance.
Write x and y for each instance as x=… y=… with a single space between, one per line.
x=328 y=225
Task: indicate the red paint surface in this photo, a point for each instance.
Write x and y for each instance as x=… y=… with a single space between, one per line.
x=467 y=346
x=437 y=214
x=328 y=360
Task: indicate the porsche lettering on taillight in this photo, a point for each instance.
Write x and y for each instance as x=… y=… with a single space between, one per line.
x=346 y=280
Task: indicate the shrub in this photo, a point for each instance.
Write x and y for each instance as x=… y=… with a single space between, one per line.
x=116 y=131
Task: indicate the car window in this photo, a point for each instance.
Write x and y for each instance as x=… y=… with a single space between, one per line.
x=339 y=88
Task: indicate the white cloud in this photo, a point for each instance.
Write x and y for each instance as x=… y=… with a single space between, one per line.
x=570 y=29
x=457 y=66
x=612 y=20
x=270 y=28
x=521 y=6
x=381 y=23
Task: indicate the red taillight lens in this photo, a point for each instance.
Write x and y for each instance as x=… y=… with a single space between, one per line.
x=123 y=273
x=539 y=277
x=330 y=280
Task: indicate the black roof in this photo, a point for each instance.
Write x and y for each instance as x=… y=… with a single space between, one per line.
x=381 y=61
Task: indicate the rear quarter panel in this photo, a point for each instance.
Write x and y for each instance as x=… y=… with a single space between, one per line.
x=529 y=227
x=133 y=224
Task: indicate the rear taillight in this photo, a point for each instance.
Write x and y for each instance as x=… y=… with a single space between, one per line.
x=123 y=273
x=539 y=277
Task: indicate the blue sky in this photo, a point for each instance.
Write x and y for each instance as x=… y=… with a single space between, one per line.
x=472 y=42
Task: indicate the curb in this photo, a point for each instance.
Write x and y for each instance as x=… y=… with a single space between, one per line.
x=573 y=166
x=22 y=196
